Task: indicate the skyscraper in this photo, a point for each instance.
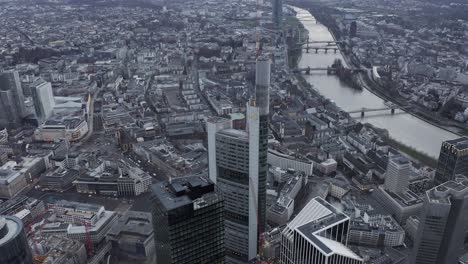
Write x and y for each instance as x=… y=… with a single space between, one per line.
x=318 y=234
x=397 y=174
x=14 y=248
x=443 y=223
x=453 y=160
x=12 y=109
x=238 y=165
x=43 y=98
x=188 y=221
x=277 y=12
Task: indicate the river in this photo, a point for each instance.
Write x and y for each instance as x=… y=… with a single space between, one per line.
x=402 y=126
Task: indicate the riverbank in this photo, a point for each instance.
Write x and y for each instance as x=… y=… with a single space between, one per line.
x=377 y=90
x=405 y=129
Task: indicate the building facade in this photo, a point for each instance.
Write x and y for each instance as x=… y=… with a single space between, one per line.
x=318 y=234
x=188 y=221
x=239 y=168
x=14 y=248
x=12 y=108
x=397 y=174
x=43 y=99
x=453 y=160
x=442 y=223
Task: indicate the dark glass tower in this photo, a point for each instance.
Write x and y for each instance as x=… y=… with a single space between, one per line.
x=443 y=223
x=188 y=221
x=277 y=12
x=12 y=109
x=453 y=160
x=14 y=248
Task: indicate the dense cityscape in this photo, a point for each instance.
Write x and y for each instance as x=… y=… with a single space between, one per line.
x=245 y=131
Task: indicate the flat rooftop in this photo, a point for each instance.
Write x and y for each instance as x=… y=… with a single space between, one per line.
x=443 y=193
x=133 y=223
x=405 y=199
x=184 y=191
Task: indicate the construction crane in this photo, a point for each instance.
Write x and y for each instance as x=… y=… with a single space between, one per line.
x=88 y=241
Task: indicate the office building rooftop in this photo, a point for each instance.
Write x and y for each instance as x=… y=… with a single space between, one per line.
x=441 y=194
x=178 y=192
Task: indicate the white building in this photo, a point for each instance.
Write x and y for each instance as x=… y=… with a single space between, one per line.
x=72 y=129
x=397 y=174
x=12 y=181
x=318 y=234
x=43 y=98
x=285 y=162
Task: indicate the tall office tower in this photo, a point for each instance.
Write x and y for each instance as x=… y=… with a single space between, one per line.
x=14 y=248
x=12 y=109
x=277 y=12
x=43 y=98
x=397 y=174
x=453 y=160
x=188 y=221
x=238 y=165
x=318 y=234
x=443 y=223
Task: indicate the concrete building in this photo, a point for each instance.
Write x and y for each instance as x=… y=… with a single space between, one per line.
x=12 y=181
x=43 y=99
x=14 y=248
x=280 y=212
x=318 y=234
x=397 y=174
x=239 y=168
x=113 y=179
x=442 y=226
x=58 y=180
x=73 y=128
x=188 y=221
x=132 y=237
x=379 y=231
x=12 y=108
x=285 y=162
x=400 y=205
x=453 y=160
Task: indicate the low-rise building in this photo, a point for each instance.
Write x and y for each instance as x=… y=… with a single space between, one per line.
x=400 y=205
x=58 y=180
x=377 y=232
x=132 y=237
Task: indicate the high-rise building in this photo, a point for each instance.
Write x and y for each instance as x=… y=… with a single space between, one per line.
x=318 y=234
x=43 y=98
x=277 y=12
x=238 y=165
x=12 y=109
x=443 y=223
x=453 y=160
x=397 y=174
x=14 y=248
x=188 y=221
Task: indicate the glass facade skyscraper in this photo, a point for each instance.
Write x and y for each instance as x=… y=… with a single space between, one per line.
x=442 y=224
x=12 y=109
x=453 y=160
x=188 y=221
x=14 y=248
